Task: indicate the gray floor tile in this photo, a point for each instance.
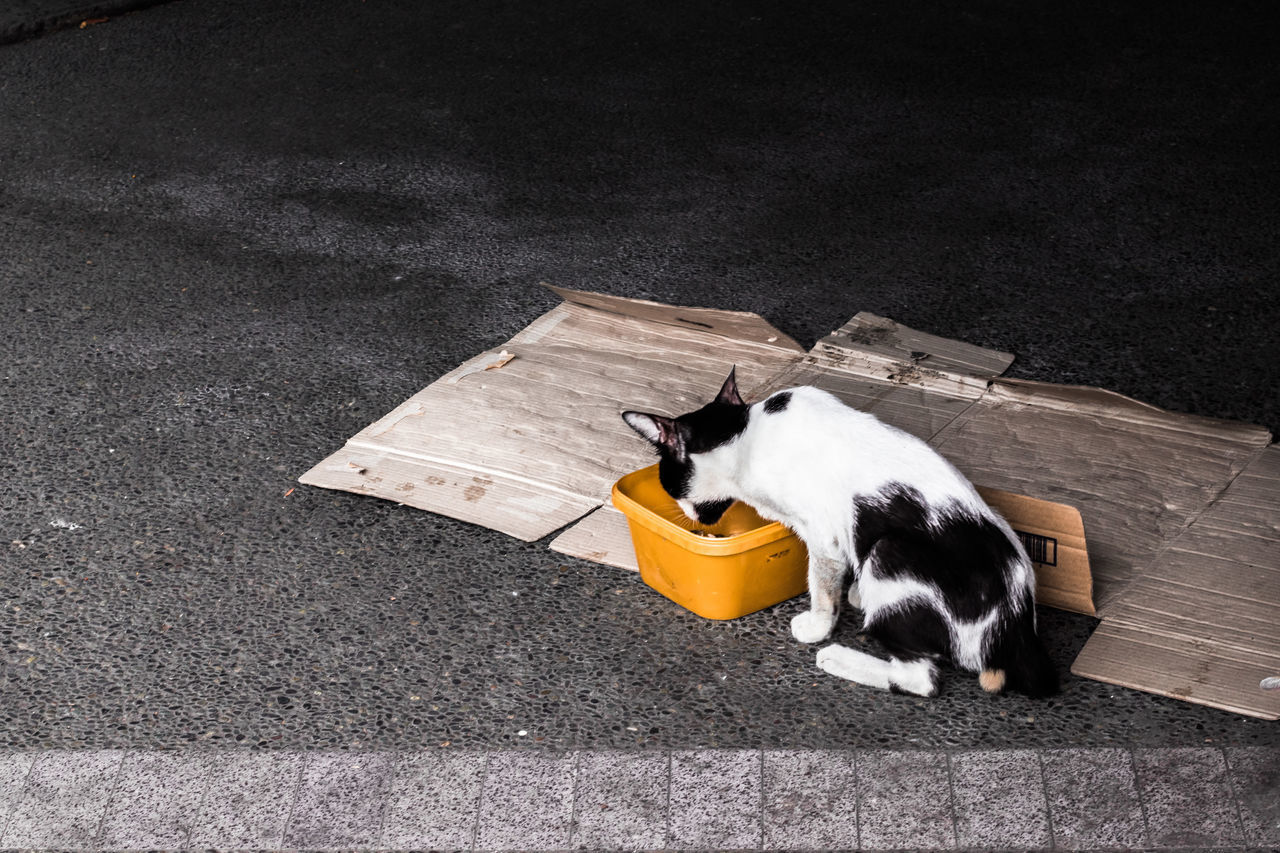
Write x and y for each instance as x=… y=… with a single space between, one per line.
x=14 y=769
x=434 y=800
x=904 y=801
x=810 y=800
x=156 y=800
x=1255 y=780
x=340 y=800
x=1093 y=799
x=1187 y=797
x=64 y=799
x=527 y=802
x=1000 y=800
x=621 y=801
x=715 y=799
x=248 y=800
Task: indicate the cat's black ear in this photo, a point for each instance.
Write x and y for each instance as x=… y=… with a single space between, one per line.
x=729 y=391
x=663 y=433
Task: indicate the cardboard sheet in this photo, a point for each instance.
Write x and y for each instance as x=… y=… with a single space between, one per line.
x=526 y=438
x=1201 y=622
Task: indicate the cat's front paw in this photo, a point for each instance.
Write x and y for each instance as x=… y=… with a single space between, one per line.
x=810 y=627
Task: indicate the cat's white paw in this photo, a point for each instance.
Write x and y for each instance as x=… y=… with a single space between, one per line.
x=810 y=627
x=831 y=660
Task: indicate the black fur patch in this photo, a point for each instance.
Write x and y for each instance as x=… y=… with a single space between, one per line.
x=912 y=632
x=712 y=425
x=778 y=403
x=710 y=512
x=1020 y=653
x=964 y=555
x=706 y=429
x=674 y=475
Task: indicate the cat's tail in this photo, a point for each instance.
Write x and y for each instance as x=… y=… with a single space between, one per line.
x=1016 y=659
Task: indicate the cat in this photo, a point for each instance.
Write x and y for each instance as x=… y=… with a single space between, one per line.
x=938 y=575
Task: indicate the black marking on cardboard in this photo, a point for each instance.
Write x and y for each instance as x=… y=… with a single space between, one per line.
x=1041 y=549
x=695 y=323
x=871 y=336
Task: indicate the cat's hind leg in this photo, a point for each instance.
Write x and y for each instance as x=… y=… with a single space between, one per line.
x=913 y=633
x=919 y=677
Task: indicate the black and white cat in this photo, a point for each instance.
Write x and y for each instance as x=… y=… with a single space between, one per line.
x=939 y=574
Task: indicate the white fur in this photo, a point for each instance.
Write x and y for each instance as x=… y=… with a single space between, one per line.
x=918 y=677
x=798 y=459
x=643 y=424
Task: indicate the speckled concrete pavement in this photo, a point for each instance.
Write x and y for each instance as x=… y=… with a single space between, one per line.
x=1072 y=799
x=233 y=233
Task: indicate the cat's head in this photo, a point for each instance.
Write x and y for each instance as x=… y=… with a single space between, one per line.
x=684 y=441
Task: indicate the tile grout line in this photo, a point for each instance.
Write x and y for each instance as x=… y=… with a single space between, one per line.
x=951 y=792
x=760 y=758
x=573 y=797
x=199 y=814
x=857 y=799
x=388 y=785
x=1137 y=790
x=115 y=788
x=484 y=780
x=297 y=793
x=1235 y=797
x=666 y=838
x=1048 y=811
x=4 y=830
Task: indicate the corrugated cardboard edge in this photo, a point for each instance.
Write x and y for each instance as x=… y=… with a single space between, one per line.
x=880 y=348
x=527 y=511
x=603 y=537
x=1176 y=666
x=733 y=325
x=1200 y=625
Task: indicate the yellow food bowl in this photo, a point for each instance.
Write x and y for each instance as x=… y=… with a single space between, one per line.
x=736 y=566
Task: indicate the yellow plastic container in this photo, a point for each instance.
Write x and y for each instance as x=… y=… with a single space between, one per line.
x=736 y=566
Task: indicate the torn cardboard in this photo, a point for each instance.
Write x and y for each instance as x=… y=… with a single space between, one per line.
x=526 y=439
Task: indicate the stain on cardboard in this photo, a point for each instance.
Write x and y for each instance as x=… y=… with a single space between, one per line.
x=477 y=490
x=871 y=336
x=908 y=374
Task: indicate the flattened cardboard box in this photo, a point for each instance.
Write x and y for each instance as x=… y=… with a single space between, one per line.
x=527 y=438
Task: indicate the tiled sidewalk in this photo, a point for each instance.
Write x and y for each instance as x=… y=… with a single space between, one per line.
x=700 y=799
